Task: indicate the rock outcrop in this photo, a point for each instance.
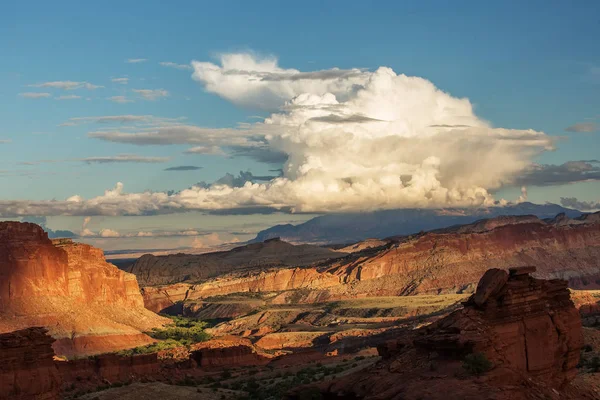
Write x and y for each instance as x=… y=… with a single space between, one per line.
x=527 y=329
x=27 y=370
x=89 y=305
x=111 y=368
x=444 y=261
x=159 y=270
x=525 y=324
x=228 y=352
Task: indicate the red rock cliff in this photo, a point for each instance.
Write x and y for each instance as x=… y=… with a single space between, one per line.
x=88 y=304
x=446 y=261
x=27 y=370
x=518 y=322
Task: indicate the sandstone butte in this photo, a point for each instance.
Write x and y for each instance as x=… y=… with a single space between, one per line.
x=87 y=304
x=443 y=261
x=528 y=329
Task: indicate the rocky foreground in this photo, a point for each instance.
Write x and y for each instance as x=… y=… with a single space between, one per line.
x=87 y=304
x=517 y=337
x=444 y=261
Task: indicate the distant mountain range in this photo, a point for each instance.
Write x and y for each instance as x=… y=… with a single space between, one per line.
x=353 y=227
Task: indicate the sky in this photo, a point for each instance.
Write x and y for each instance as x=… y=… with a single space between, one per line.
x=195 y=124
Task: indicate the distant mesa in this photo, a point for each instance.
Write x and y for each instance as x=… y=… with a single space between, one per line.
x=448 y=260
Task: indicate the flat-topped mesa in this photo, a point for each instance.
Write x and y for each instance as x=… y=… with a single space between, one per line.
x=519 y=322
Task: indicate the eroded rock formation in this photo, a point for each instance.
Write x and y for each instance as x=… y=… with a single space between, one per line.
x=160 y=270
x=89 y=305
x=518 y=322
x=444 y=261
x=27 y=370
x=528 y=329
x=228 y=352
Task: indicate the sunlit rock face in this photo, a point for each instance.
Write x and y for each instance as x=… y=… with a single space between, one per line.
x=86 y=303
x=443 y=261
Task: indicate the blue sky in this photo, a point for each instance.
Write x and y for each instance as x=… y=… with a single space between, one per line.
x=523 y=65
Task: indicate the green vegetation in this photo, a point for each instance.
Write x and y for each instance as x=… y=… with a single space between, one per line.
x=182 y=332
x=476 y=364
x=152 y=348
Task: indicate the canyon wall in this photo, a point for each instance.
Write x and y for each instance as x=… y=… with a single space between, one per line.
x=159 y=270
x=89 y=305
x=445 y=261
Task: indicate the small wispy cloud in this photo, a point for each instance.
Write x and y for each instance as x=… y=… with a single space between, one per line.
x=120 y=99
x=176 y=66
x=124 y=158
x=583 y=127
x=135 y=60
x=5 y=141
x=38 y=162
x=151 y=94
x=122 y=81
x=183 y=168
x=209 y=150
x=138 y=121
x=68 y=97
x=34 y=95
x=66 y=85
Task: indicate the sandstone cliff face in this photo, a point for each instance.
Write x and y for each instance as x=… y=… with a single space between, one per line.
x=161 y=297
x=85 y=302
x=527 y=328
x=451 y=262
x=159 y=270
x=27 y=370
x=518 y=322
x=445 y=261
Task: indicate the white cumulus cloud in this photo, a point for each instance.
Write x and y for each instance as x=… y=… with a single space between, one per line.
x=109 y=233
x=350 y=140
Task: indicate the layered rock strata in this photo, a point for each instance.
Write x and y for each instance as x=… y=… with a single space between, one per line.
x=27 y=370
x=526 y=332
x=445 y=261
x=518 y=322
x=89 y=305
